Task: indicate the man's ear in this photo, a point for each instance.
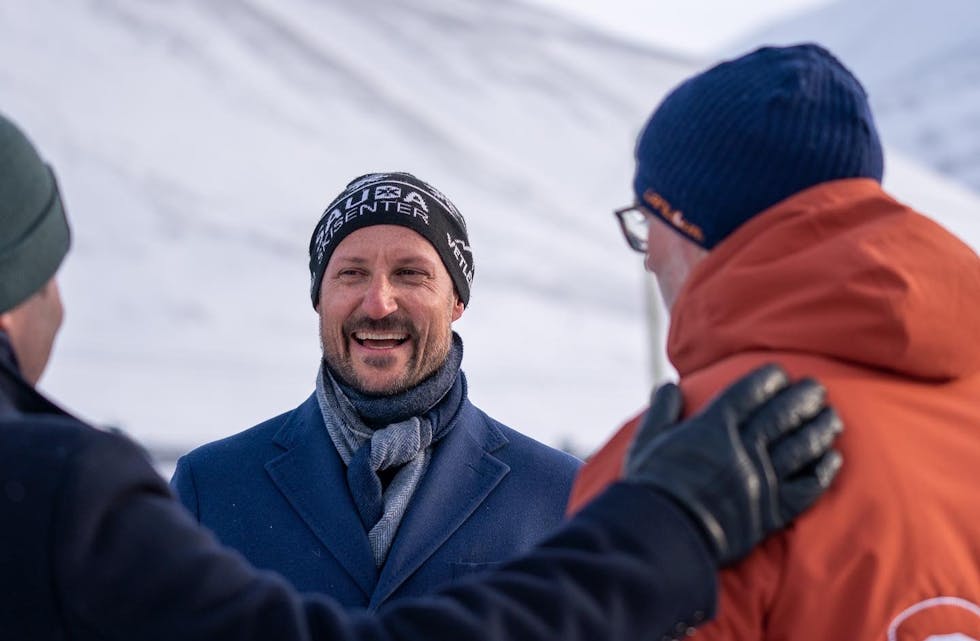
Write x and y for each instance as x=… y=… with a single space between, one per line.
x=5 y=322
x=458 y=308
x=319 y=297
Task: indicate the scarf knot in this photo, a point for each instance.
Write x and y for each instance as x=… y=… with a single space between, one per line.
x=394 y=433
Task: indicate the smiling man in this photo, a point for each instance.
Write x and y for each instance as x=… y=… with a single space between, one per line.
x=386 y=482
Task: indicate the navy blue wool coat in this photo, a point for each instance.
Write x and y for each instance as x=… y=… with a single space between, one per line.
x=278 y=493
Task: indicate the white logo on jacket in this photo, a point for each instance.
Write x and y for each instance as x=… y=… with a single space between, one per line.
x=942 y=618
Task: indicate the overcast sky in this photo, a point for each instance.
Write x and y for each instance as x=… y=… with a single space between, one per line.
x=696 y=27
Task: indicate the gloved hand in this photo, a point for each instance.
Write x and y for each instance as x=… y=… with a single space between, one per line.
x=750 y=462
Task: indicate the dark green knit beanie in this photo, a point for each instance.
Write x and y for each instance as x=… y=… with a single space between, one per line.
x=34 y=234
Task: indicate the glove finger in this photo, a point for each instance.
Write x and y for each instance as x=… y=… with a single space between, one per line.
x=664 y=411
x=743 y=398
x=799 y=493
x=806 y=444
x=791 y=408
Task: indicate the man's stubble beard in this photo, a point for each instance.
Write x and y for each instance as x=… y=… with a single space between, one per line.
x=343 y=368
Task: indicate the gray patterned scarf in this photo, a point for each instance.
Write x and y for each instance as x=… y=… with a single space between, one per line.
x=393 y=433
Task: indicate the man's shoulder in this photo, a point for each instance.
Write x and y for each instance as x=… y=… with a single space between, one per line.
x=44 y=436
x=514 y=444
x=254 y=440
x=39 y=451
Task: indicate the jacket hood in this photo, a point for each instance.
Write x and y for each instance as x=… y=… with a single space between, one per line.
x=839 y=270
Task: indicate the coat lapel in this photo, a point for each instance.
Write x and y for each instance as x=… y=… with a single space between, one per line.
x=312 y=477
x=461 y=474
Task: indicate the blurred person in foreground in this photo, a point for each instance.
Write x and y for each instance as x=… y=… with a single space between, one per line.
x=386 y=481
x=94 y=546
x=760 y=211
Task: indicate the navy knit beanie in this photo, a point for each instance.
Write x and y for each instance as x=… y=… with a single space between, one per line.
x=395 y=198
x=750 y=132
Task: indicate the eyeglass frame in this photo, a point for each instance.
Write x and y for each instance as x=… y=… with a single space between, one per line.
x=637 y=242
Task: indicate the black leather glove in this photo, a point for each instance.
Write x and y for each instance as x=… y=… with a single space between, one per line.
x=756 y=457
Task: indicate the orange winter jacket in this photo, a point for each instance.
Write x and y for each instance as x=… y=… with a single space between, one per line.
x=882 y=305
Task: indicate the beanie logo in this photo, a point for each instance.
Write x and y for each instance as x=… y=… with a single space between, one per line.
x=385 y=199
x=458 y=247
x=416 y=198
x=386 y=192
x=673 y=216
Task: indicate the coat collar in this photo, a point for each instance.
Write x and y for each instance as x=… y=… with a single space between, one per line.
x=8 y=359
x=310 y=474
x=462 y=473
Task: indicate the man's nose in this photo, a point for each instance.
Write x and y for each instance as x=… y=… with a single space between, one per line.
x=379 y=299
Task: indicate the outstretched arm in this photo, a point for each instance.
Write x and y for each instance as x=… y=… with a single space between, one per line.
x=135 y=565
x=130 y=563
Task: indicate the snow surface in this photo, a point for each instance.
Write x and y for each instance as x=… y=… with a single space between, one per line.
x=196 y=143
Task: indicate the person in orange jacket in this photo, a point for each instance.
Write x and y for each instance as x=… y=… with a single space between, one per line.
x=760 y=211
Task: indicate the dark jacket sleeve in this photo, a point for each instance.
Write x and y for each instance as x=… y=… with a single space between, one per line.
x=130 y=563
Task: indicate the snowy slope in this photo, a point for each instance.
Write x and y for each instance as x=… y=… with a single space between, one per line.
x=920 y=62
x=197 y=142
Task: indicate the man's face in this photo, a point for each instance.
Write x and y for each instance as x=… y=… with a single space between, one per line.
x=386 y=309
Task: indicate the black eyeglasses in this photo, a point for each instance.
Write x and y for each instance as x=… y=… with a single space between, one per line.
x=634 y=220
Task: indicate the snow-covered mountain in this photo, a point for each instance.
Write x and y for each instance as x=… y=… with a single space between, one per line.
x=919 y=61
x=197 y=141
